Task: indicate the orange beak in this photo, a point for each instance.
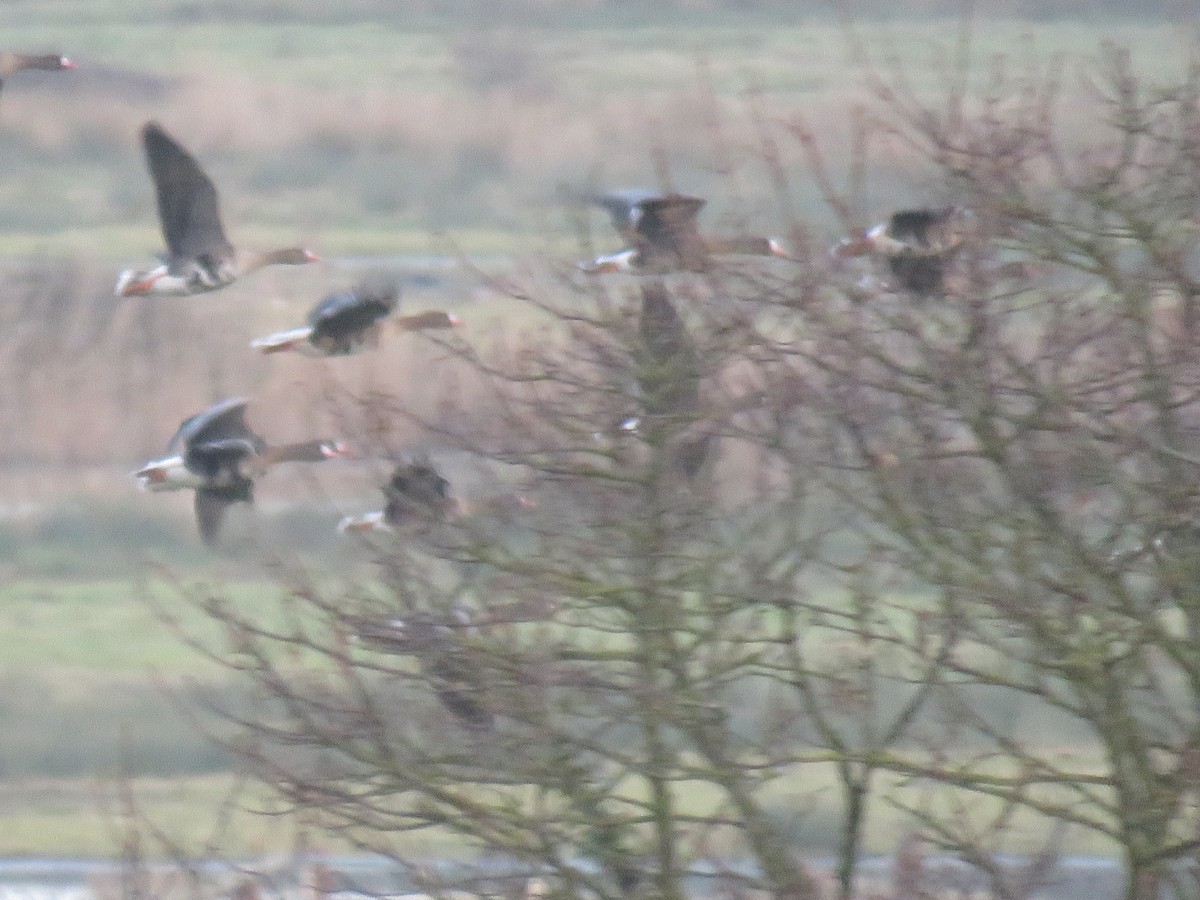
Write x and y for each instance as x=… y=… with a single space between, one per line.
x=144 y=286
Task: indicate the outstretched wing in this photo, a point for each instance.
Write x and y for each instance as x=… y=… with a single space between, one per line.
x=211 y=504
x=930 y=231
x=669 y=376
x=347 y=314
x=211 y=458
x=188 y=208
x=210 y=513
x=225 y=420
x=668 y=224
x=624 y=207
x=416 y=489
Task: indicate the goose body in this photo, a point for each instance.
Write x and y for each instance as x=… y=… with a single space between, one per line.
x=665 y=236
x=346 y=321
x=199 y=257
x=916 y=243
x=216 y=454
x=416 y=491
x=441 y=644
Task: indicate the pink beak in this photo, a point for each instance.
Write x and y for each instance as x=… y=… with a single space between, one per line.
x=337 y=450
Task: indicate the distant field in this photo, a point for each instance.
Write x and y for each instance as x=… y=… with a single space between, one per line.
x=406 y=133
x=86 y=707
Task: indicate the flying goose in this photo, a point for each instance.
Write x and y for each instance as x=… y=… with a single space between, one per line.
x=917 y=244
x=665 y=237
x=11 y=63
x=441 y=644
x=216 y=454
x=417 y=492
x=199 y=257
x=344 y=322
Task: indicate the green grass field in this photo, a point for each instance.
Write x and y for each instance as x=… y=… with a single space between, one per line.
x=90 y=709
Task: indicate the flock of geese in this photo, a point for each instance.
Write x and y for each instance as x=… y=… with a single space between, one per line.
x=215 y=453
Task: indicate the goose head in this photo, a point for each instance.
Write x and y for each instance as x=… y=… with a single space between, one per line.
x=625 y=261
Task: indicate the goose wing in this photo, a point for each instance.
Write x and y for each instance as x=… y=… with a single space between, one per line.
x=211 y=504
x=223 y=420
x=220 y=457
x=668 y=224
x=188 y=208
x=670 y=377
x=415 y=488
x=624 y=207
x=348 y=313
x=928 y=232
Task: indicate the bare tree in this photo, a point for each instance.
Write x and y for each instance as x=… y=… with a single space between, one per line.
x=1022 y=450
x=794 y=520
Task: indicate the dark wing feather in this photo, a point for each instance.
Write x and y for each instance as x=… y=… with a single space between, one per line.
x=211 y=504
x=667 y=226
x=459 y=688
x=210 y=513
x=623 y=208
x=919 y=273
x=187 y=199
x=662 y=330
x=912 y=227
x=930 y=231
x=346 y=315
x=669 y=376
x=415 y=489
x=216 y=458
x=223 y=420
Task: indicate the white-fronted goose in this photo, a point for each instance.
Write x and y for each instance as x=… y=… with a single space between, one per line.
x=441 y=645
x=216 y=454
x=199 y=257
x=415 y=492
x=344 y=322
x=11 y=63
x=917 y=244
x=665 y=236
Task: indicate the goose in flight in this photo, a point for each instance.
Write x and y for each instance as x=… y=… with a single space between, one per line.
x=346 y=321
x=416 y=491
x=199 y=257
x=216 y=454
x=917 y=244
x=664 y=236
x=442 y=646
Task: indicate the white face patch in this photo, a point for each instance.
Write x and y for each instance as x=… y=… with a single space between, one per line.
x=884 y=243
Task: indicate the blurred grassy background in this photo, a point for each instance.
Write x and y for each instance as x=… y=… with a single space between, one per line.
x=366 y=127
x=397 y=130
